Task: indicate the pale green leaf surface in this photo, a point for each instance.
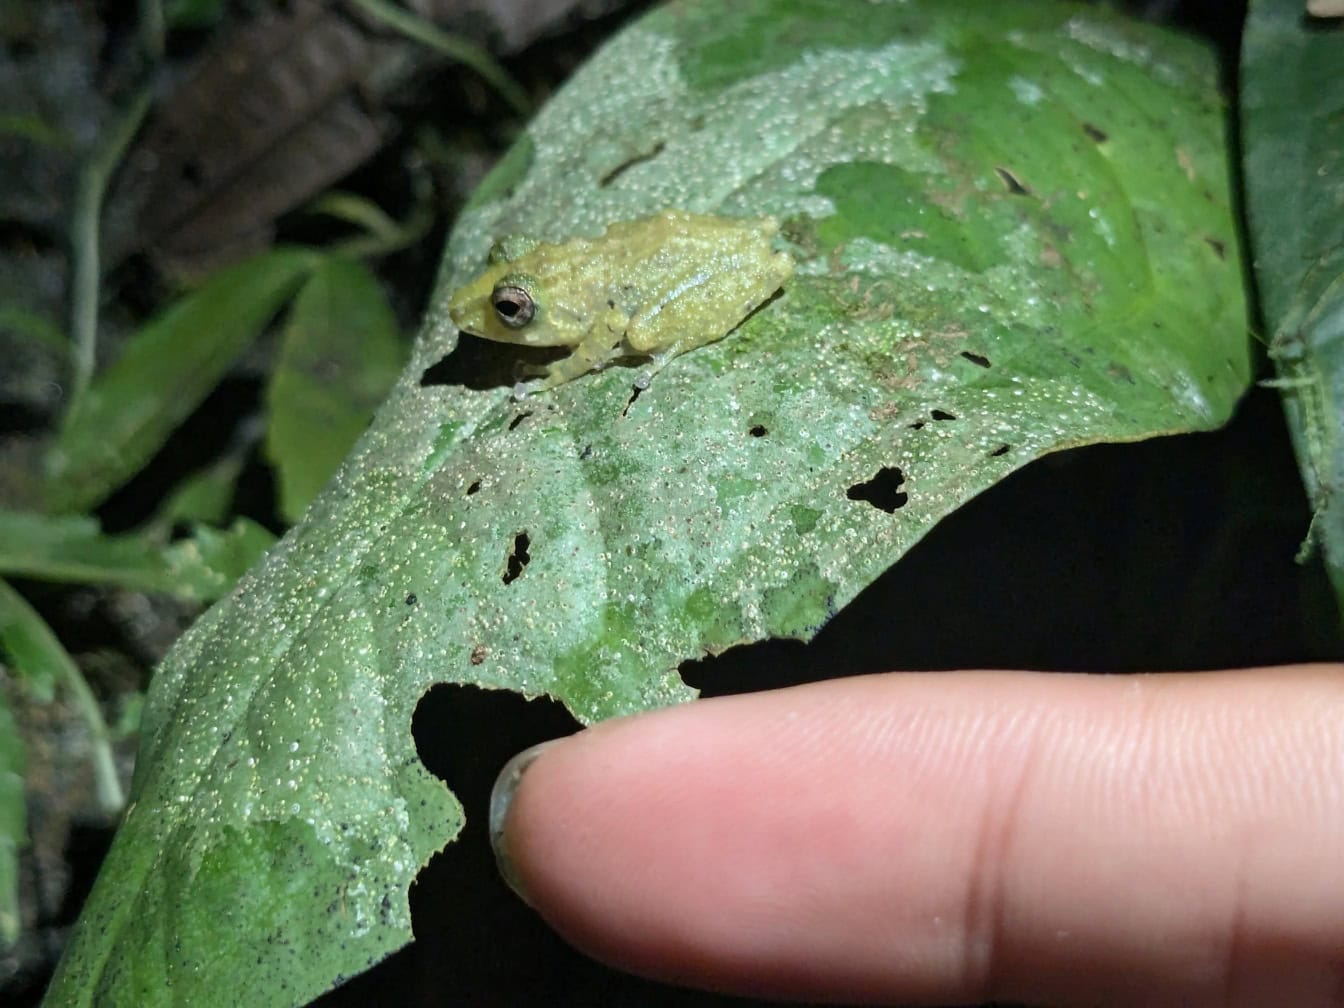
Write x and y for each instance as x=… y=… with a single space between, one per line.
x=166 y=371
x=72 y=548
x=1013 y=234
x=1292 y=87
x=339 y=357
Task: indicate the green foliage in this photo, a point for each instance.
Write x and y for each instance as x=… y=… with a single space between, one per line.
x=71 y=548
x=40 y=663
x=13 y=825
x=1293 y=129
x=339 y=357
x=36 y=663
x=165 y=372
x=1013 y=235
x=340 y=335
x=193 y=13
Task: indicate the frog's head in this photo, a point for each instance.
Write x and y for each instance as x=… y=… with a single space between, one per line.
x=505 y=305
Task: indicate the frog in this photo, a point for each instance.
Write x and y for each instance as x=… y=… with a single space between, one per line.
x=651 y=288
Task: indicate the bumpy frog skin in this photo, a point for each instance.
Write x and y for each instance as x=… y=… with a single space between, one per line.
x=653 y=288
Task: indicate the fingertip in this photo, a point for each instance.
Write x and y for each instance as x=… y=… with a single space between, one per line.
x=952 y=837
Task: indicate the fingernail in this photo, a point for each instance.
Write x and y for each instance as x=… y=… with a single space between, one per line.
x=501 y=797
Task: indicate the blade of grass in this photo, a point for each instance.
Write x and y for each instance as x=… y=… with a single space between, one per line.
x=452 y=46
x=36 y=653
x=86 y=266
x=13 y=822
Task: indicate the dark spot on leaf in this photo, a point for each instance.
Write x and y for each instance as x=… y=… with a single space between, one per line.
x=883 y=491
x=513 y=424
x=1219 y=249
x=979 y=360
x=634 y=394
x=1094 y=133
x=1000 y=450
x=629 y=163
x=475 y=486
x=942 y=415
x=518 y=557
x=758 y=431
x=411 y=599
x=1011 y=182
x=478 y=654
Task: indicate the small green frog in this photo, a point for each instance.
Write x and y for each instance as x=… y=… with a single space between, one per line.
x=654 y=288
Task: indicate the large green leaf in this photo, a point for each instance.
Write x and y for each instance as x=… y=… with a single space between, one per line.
x=1293 y=131
x=1013 y=234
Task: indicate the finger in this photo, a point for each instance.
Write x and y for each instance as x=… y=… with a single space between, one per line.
x=944 y=838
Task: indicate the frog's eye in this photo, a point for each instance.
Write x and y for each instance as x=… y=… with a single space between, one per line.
x=514 y=306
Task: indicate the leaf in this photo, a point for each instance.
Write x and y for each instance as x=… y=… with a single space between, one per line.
x=33 y=654
x=340 y=356
x=38 y=659
x=1293 y=125
x=72 y=548
x=207 y=494
x=1013 y=235
x=13 y=821
x=165 y=372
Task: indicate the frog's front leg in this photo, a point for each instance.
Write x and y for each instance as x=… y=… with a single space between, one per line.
x=604 y=342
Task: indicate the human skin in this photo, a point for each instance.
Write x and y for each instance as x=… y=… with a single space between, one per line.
x=957 y=837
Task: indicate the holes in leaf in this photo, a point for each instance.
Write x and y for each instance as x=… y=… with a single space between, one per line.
x=587 y=452
x=883 y=491
x=513 y=424
x=758 y=430
x=1094 y=133
x=518 y=557
x=411 y=599
x=634 y=394
x=475 y=486
x=1011 y=182
x=933 y=415
x=629 y=163
x=1000 y=450
x=979 y=360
